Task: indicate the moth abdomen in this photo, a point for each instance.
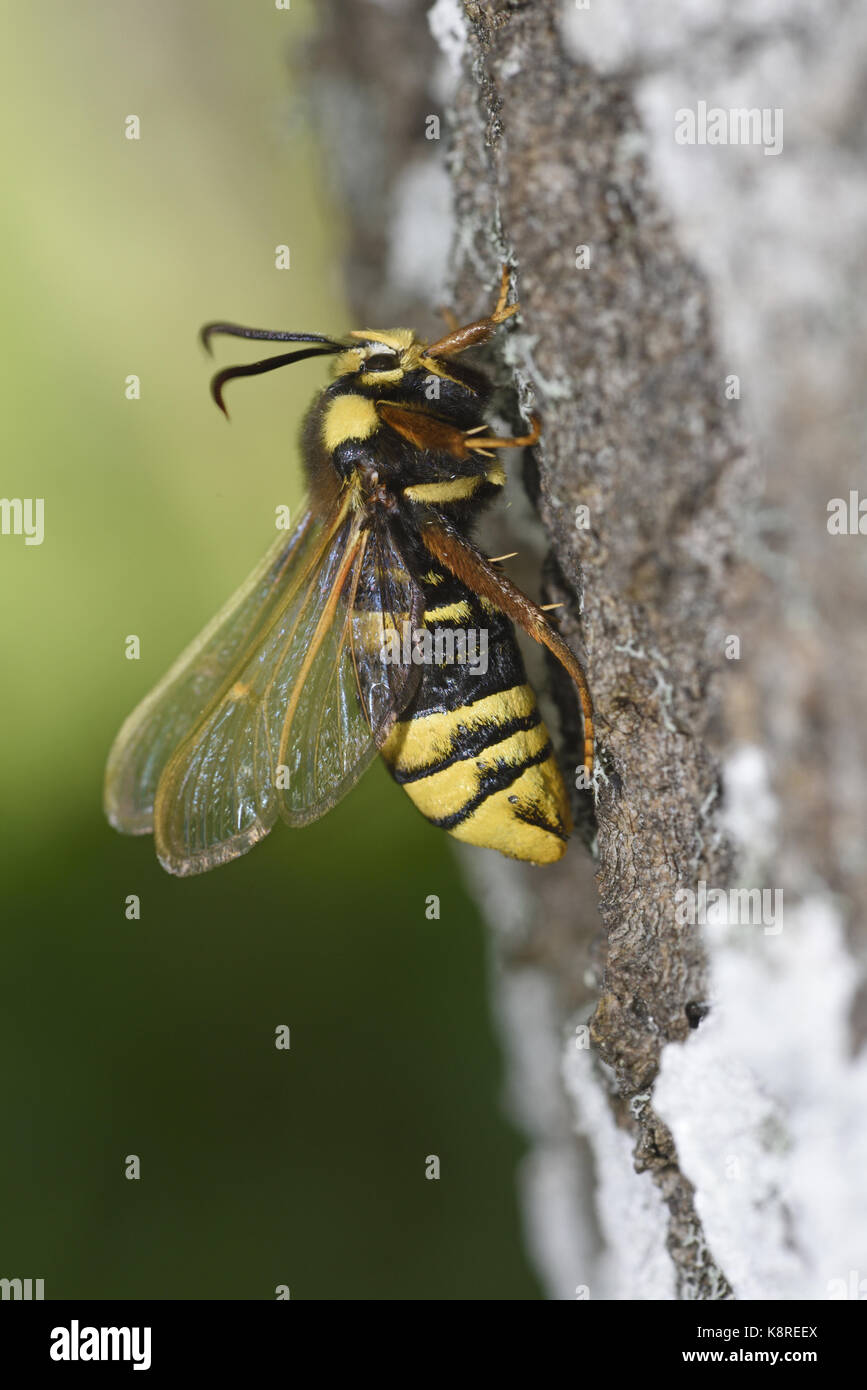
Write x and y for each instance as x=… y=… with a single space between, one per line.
x=472 y=750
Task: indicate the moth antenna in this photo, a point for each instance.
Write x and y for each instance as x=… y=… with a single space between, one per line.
x=268 y=364
x=237 y=330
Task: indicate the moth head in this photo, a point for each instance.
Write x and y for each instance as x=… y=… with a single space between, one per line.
x=377 y=357
x=390 y=357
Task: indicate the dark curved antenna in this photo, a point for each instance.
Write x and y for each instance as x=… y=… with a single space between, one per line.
x=268 y=364
x=235 y=330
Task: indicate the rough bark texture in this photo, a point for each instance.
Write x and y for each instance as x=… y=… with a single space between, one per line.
x=635 y=431
x=617 y=349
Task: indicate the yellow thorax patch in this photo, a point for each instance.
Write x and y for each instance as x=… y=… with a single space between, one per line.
x=348 y=417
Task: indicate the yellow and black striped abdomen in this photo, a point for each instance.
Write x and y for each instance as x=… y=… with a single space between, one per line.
x=471 y=750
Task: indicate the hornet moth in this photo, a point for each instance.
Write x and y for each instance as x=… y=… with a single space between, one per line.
x=295 y=686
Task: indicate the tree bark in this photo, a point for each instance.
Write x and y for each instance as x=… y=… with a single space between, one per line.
x=720 y=762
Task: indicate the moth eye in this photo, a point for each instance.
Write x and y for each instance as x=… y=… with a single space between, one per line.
x=380 y=362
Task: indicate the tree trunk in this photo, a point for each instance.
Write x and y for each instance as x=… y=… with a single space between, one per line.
x=691 y=338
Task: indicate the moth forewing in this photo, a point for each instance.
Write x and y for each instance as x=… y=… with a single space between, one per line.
x=215 y=798
x=152 y=733
x=293 y=729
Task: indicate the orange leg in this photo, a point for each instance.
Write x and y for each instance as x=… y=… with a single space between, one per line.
x=501 y=310
x=471 y=567
x=459 y=339
x=485 y=442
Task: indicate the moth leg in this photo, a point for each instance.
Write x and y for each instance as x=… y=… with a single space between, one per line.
x=423 y=430
x=459 y=339
x=485 y=442
x=472 y=569
x=503 y=311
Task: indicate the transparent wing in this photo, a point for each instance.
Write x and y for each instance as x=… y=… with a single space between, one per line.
x=357 y=677
x=302 y=716
x=168 y=714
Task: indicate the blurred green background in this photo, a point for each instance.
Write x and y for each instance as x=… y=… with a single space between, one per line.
x=156 y=1037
